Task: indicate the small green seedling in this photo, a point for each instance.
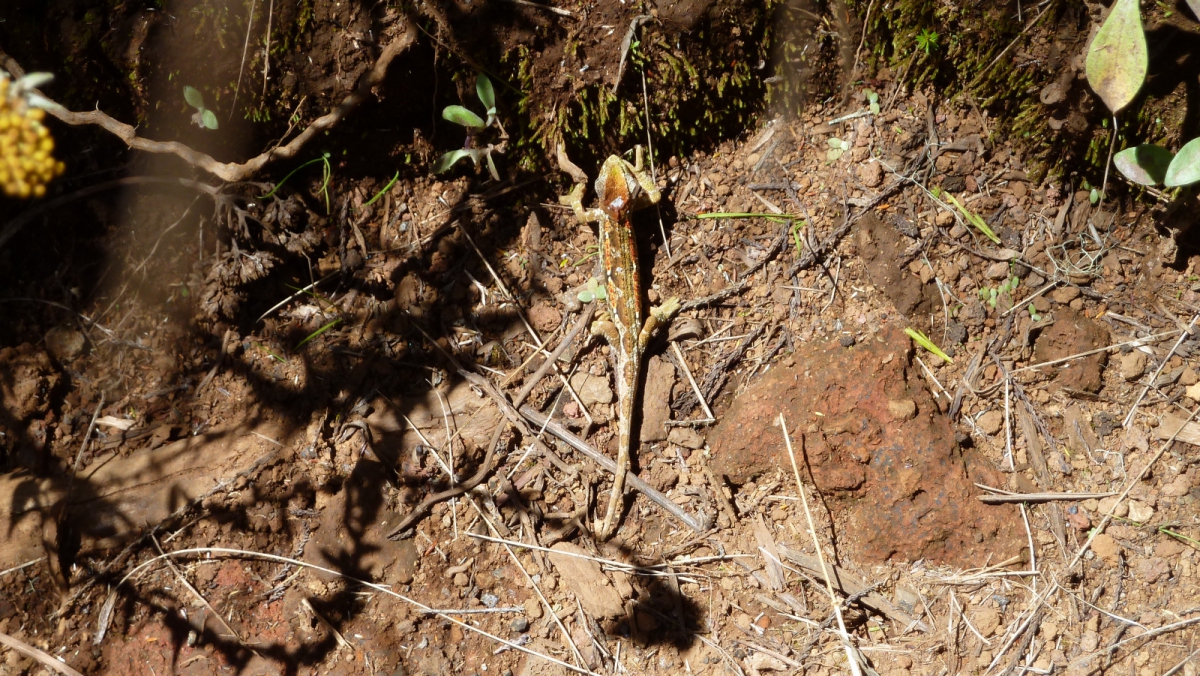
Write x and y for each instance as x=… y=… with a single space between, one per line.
x=1033 y=313
x=927 y=40
x=923 y=340
x=990 y=296
x=836 y=148
x=204 y=117
x=797 y=226
x=593 y=291
x=872 y=101
x=1116 y=66
x=474 y=125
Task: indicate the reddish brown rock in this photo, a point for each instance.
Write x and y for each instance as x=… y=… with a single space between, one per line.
x=899 y=486
x=1073 y=333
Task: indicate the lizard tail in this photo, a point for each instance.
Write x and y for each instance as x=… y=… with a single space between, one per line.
x=608 y=527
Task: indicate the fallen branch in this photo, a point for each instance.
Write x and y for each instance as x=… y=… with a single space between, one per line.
x=232 y=172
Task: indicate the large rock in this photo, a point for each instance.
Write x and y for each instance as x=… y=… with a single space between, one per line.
x=883 y=457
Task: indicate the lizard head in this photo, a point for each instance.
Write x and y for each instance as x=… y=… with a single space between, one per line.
x=619 y=188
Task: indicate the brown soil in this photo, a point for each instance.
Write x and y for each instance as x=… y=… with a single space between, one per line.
x=280 y=375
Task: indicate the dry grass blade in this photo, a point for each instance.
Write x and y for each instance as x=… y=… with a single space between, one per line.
x=377 y=587
x=851 y=657
x=39 y=655
x=542 y=597
x=1128 y=487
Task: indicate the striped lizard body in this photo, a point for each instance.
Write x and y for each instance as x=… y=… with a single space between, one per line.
x=622 y=188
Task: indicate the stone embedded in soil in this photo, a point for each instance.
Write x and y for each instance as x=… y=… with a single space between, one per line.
x=991 y=422
x=1140 y=511
x=898 y=487
x=64 y=343
x=1073 y=333
x=1152 y=570
x=1177 y=487
x=870 y=173
x=686 y=437
x=544 y=316
x=1106 y=548
x=30 y=380
x=592 y=390
x=584 y=576
x=1106 y=506
x=656 y=399
x=997 y=271
x=1133 y=365
x=1064 y=294
x=986 y=621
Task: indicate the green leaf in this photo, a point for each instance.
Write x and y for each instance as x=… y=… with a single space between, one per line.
x=586 y=296
x=1117 y=59
x=209 y=118
x=1145 y=164
x=492 y=168
x=1185 y=168
x=193 y=97
x=487 y=95
x=462 y=116
x=450 y=159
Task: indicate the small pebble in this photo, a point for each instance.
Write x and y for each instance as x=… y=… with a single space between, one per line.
x=520 y=625
x=846 y=341
x=489 y=600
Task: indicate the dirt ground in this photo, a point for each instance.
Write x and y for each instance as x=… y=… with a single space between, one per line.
x=223 y=414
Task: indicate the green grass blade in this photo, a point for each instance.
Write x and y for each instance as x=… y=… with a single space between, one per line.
x=279 y=185
x=924 y=342
x=385 y=189
x=318 y=332
x=778 y=218
x=973 y=218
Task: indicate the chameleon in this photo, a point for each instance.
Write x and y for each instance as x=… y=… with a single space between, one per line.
x=622 y=188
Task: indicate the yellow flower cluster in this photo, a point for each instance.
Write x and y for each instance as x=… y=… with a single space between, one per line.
x=27 y=162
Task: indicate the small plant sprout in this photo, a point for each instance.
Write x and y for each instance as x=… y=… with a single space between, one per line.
x=1033 y=313
x=923 y=340
x=474 y=125
x=203 y=117
x=593 y=291
x=836 y=148
x=1116 y=66
x=872 y=101
x=927 y=40
x=990 y=296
